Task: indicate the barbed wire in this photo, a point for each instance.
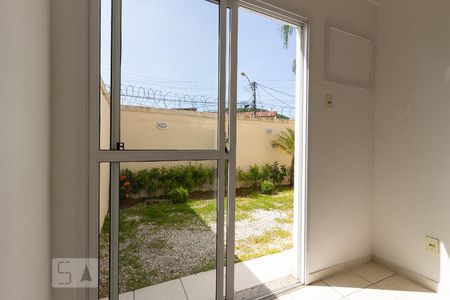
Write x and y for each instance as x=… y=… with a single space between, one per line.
x=133 y=95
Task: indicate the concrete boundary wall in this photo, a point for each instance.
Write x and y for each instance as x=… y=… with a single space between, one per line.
x=149 y=128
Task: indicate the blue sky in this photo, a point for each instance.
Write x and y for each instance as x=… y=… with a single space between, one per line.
x=172 y=46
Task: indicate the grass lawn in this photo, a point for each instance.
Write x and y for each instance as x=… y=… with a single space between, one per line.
x=164 y=241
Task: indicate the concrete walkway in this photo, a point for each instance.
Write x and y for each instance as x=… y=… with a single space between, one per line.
x=201 y=286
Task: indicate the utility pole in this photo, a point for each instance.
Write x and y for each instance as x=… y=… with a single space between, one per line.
x=253 y=86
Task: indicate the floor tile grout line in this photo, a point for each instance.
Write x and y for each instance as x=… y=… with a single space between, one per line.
x=184 y=290
x=358 y=289
x=375 y=281
x=371 y=284
x=385 y=278
x=332 y=288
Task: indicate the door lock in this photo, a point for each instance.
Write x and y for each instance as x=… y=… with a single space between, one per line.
x=120 y=146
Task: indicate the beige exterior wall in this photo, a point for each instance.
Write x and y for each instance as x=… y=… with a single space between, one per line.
x=197 y=130
x=104 y=144
x=254 y=145
x=185 y=130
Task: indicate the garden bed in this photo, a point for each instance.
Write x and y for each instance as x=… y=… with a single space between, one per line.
x=164 y=241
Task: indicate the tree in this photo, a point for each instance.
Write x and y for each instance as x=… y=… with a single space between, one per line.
x=286 y=142
x=286 y=32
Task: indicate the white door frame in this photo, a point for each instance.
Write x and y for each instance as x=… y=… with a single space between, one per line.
x=115 y=156
x=302 y=25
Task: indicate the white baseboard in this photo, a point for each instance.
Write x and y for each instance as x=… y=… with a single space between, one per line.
x=351 y=264
x=411 y=275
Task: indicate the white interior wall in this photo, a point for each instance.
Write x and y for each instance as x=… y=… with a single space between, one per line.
x=412 y=144
x=24 y=151
x=340 y=143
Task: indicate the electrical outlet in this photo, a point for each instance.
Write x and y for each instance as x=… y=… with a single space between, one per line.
x=329 y=102
x=432 y=244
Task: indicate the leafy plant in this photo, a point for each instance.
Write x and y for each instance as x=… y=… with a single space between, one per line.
x=131 y=178
x=264 y=172
x=256 y=175
x=124 y=188
x=200 y=175
x=286 y=31
x=148 y=180
x=286 y=142
x=176 y=176
x=240 y=175
x=179 y=195
x=252 y=177
x=191 y=177
x=267 y=187
x=277 y=173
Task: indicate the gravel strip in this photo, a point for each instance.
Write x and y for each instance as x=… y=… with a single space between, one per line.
x=168 y=252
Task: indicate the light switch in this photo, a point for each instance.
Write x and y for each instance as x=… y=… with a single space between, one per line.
x=432 y=244
x=329 y=102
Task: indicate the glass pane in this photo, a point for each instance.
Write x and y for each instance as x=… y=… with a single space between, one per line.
x=264 y=259
x=105 y=74
x=167 y=229
x=103 y=290
x=169 y=74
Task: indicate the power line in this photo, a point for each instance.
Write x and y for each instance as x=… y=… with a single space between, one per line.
x=276 y=98
x=147 y=97
x=280 y=92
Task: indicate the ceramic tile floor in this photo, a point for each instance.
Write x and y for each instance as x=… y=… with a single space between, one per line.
x=368 y=282
x=201 y=286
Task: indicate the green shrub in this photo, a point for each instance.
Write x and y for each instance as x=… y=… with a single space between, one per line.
x=131 y=178
x=127 y=184
x=240 y=175
x=252 y=177
x=194 y=177
x=171 y=178
x=267 y=187
x=256 y=175
x=179 y=195
x=191 y=177
x=265 y=172
x=200 y=176
x=277 y=174
x=148 y=180
x=124 y=188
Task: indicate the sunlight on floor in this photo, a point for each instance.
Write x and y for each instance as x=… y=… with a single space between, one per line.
x=369 y=282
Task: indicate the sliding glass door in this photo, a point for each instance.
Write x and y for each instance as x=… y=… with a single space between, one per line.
x=175 y=211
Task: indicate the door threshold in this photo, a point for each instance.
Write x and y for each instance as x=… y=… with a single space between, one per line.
x=268 y=290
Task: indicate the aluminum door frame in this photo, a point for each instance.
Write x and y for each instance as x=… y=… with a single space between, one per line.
x=115 y=156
